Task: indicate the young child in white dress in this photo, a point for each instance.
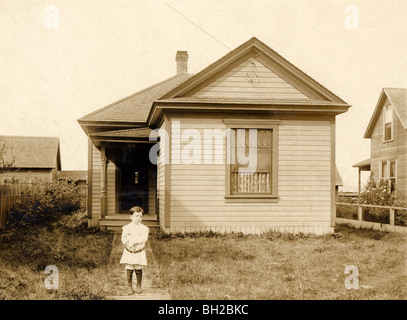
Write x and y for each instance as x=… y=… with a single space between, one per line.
x=134 y=237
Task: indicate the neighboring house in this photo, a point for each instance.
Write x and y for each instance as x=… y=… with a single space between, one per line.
x=80 y=177
x=205 y=123
x=387 y=131
x=30 y=158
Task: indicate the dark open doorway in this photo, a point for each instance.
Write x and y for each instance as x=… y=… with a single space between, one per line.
x=136 y=178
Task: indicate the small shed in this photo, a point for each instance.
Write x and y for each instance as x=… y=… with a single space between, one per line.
x=29 y=158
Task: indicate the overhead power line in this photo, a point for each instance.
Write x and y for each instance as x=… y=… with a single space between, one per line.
x=190 y=21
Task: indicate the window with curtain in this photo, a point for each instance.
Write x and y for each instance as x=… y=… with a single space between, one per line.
x=389 y=172
x=251 y=170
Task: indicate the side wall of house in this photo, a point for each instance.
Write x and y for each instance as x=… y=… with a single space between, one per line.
x=161 y=166
x=393 y=150
x=152 y=182
x=305 y=187
x=111 y=188
x=95 y=186
x=27 y=175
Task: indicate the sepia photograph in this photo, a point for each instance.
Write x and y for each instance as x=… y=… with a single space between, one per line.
x=203 y=154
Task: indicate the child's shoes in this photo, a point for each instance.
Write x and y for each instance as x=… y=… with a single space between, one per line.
x=130 y=291
x=138 y=289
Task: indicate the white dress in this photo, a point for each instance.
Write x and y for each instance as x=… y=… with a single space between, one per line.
x=134 y=237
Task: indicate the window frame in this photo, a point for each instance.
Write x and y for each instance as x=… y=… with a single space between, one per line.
x=252 y=124
x=388 y=177
x=388 y=105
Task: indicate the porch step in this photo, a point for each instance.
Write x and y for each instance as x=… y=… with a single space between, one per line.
x=115 y=223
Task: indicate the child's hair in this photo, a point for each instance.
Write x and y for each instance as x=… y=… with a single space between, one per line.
x=136 y=209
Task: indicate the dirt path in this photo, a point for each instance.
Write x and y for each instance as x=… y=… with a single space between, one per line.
x=150 y=292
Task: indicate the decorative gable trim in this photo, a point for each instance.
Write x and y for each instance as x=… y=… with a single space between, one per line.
x=265 y=55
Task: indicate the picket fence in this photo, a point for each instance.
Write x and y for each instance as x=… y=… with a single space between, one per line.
x=11 y=194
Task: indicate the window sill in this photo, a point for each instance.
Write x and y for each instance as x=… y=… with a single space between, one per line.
x=251 y=198
x=388 y=141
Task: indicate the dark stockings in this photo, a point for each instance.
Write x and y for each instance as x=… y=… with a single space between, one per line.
x=129 y=276
x=139 y=276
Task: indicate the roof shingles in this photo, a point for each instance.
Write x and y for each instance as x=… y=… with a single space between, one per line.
x=31 y=152
x=398 y=98
x=135 y=108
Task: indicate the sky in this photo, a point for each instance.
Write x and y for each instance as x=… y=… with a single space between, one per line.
x=62 y=59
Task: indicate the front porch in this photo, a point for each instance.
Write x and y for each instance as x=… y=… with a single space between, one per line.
x=122 y=176
x=117 y=221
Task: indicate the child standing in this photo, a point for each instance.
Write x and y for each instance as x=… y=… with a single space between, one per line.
x=134 y=237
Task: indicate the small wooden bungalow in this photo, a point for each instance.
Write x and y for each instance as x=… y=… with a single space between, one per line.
x=245 y=145
x=29 y=158
x=387 y=131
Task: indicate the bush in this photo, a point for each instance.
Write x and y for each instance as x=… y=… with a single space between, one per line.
x=347 y=212
x=380 y=195
x=56 y=199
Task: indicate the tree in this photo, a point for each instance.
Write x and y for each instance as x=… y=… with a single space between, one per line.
x=6 y=165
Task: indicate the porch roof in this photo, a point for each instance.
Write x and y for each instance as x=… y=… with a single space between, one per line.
x=143 y=132
x=135 y=135
x=363 y=165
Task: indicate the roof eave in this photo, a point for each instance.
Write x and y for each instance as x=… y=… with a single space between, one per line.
x=373 y=118
x=89 y=127
x=159 y=107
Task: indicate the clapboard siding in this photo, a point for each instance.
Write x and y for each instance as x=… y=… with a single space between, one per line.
x=304 y=181
x=111 y=188
x=396 y=149
x=96 y=182
x=251 y=79
x=161 y=178
x=152 y=181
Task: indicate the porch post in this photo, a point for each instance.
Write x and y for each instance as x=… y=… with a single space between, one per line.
x=103 y=197
x=359 y=181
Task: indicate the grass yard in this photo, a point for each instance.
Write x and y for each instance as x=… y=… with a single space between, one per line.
x=281 y=266
x=81 y=256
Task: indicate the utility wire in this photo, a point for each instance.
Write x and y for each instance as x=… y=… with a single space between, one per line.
x=196 y=25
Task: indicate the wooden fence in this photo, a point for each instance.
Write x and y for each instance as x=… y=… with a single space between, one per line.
x=361 y=223
x=10 y=194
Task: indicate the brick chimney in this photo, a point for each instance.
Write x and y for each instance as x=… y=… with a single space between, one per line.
x=182 y=62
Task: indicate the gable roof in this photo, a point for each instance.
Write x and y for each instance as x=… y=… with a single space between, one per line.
x=254 y=48
x=310 y=93
x=31 y=152
x=398 y=99
x=136 y=107
x=139 y=108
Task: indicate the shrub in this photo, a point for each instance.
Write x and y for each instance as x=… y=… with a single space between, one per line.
x=55 y=199
x=380 y=195
x=347 y=212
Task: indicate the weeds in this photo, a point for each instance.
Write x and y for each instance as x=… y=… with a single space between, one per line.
x=80 y=254
x=275 y=265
